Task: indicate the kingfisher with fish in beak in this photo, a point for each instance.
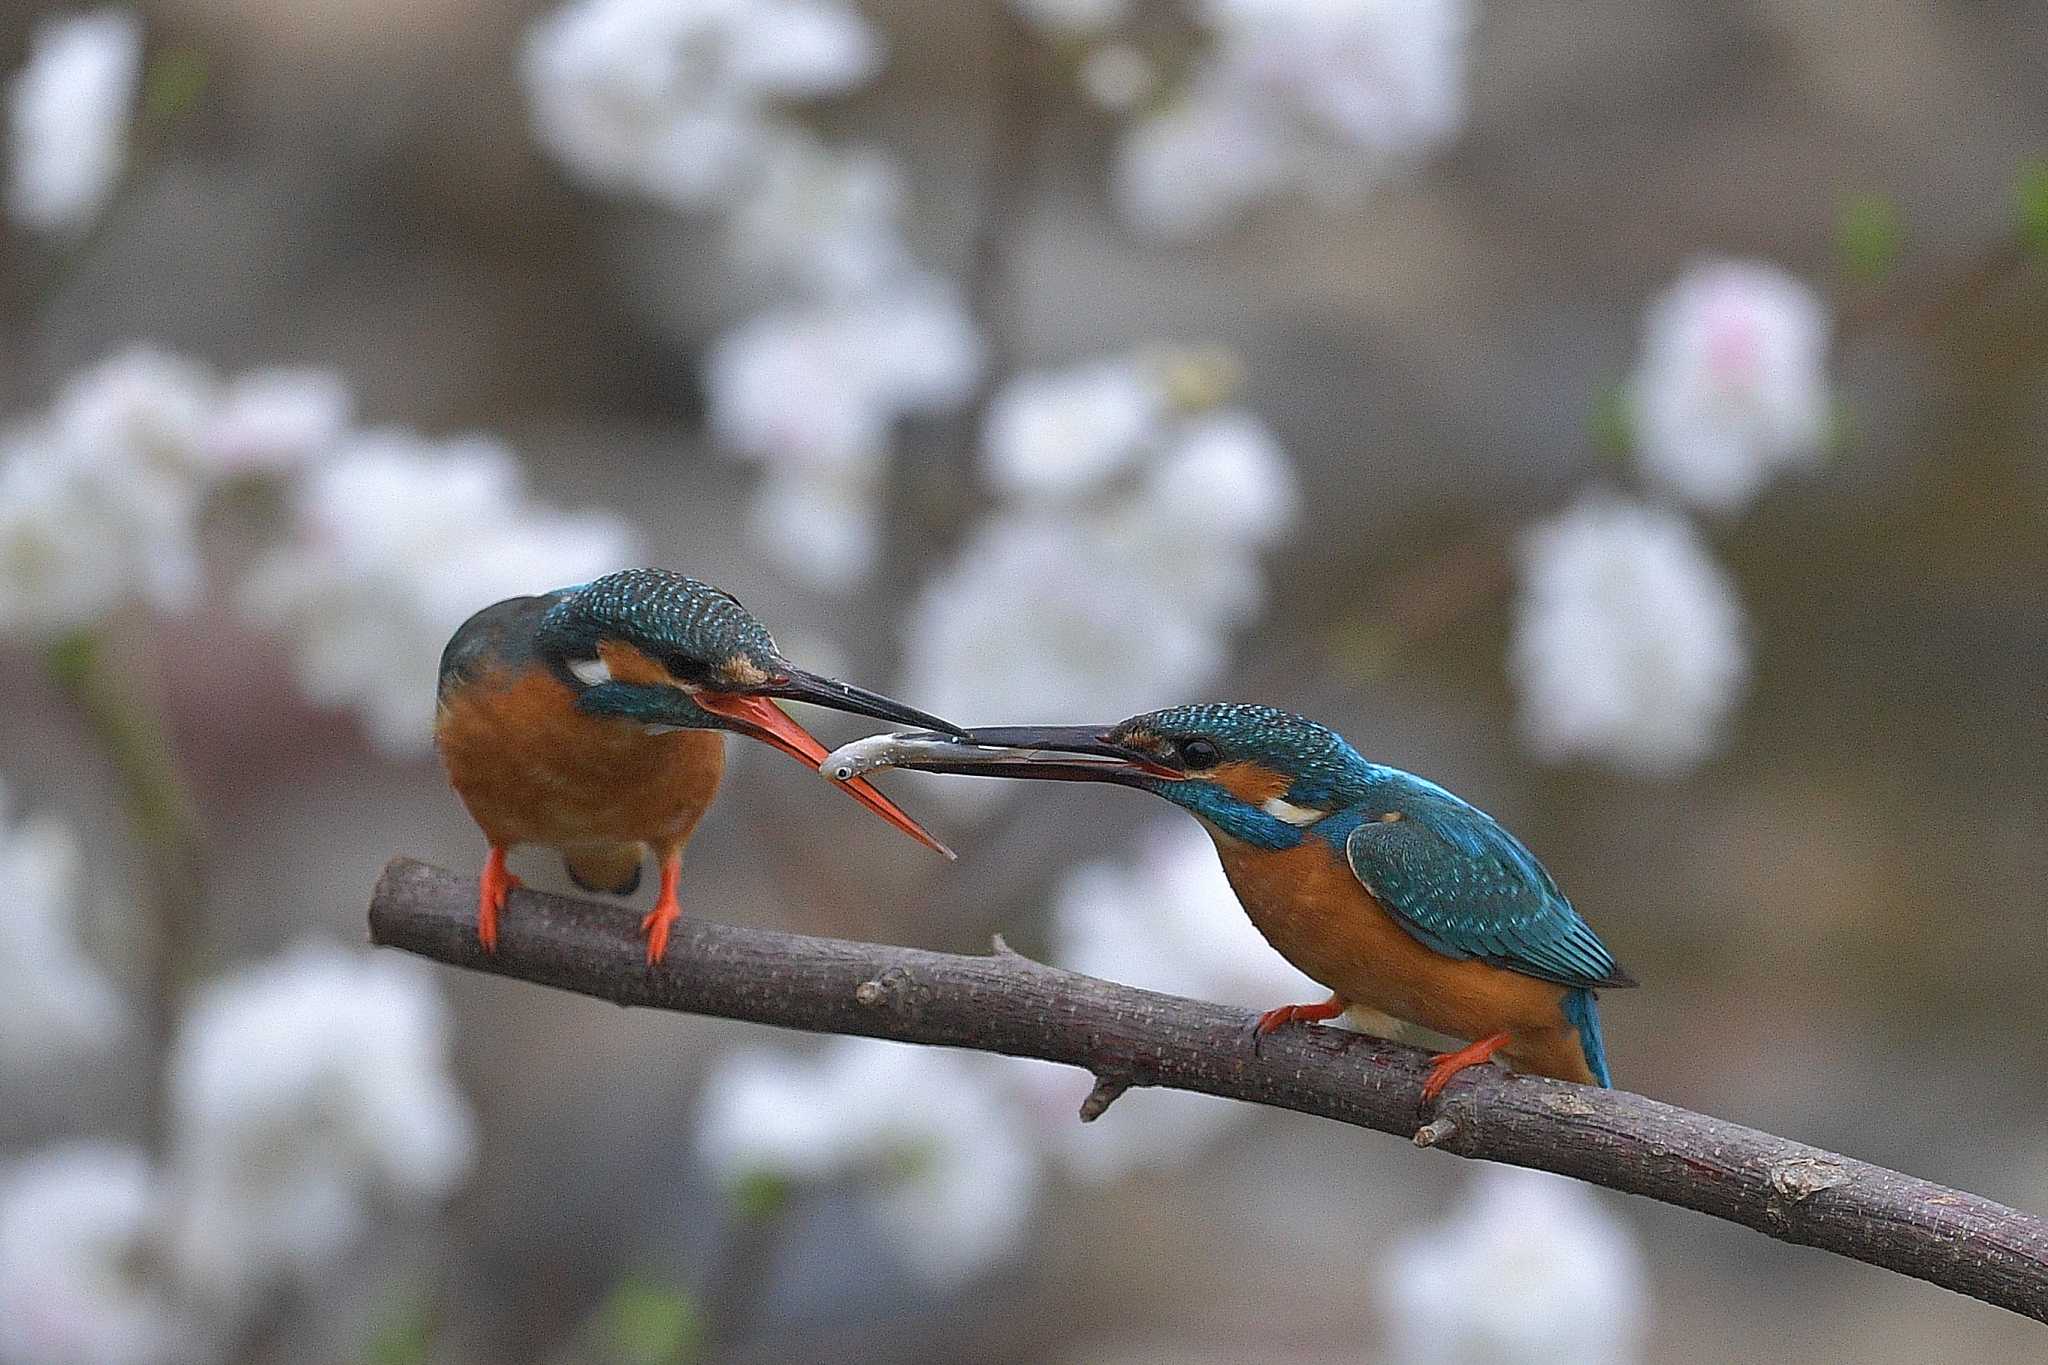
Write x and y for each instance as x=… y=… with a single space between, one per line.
x=1403 y=899
x=592 y=720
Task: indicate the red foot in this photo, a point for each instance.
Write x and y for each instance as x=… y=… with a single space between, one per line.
x=491 y=889
x=1450 y=1064
x=1314 y=1014
x=667 y=910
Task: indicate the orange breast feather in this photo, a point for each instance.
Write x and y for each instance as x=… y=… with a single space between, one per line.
x=532 y=769
x=1311 y=908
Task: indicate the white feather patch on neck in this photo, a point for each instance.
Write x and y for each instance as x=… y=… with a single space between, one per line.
x=590 y=672
x=1282 y=809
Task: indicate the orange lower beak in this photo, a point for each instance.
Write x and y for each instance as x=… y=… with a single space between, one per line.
x=769 y=723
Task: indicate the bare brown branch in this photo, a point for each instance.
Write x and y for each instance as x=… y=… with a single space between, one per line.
x=1009 y=1004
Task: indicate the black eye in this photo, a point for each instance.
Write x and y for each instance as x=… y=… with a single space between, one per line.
x=1196 y=754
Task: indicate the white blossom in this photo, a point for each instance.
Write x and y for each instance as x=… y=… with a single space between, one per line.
x=1060 y=432
x=1166 y=919
x=1628 y=641
x=1731 y=385
x=1072 y=18
x=674 y=99
x=1530 y=1267
x=81 y=1279
x=1043 y=616
x=55 y=1003
x=1310 y=96
x=399 y=540
x=818 y=219
x=1163 y=918
x=1117 y=76
x=276 y=420
x=821 y=527
x=944 y=1169
x=1148 y=1128
x=68 y=114
x=301 y=1088
x=75 y=544
x=143 y=410
x=1189 y=169
x=824 y=385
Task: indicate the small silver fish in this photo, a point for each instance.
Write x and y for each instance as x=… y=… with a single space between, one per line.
x=925 y=748
x=863 y=756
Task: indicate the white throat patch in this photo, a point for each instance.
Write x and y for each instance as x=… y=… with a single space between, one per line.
x=590 y=672
x=1282 y=809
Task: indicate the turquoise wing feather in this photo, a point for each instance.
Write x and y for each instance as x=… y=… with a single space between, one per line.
x=1458 y=882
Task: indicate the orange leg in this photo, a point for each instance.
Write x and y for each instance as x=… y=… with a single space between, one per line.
x=667 y=910
x=1450 y=1064
x=1315 y=1014
x=491 y=890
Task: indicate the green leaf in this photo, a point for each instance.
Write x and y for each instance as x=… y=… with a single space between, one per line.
x=2030 y=205
x=761 y=1195
x=1612 y=421
x=172 y=85
x=406 y=1336
x=644 y=1323
x=72 y=658
x=1870 y=236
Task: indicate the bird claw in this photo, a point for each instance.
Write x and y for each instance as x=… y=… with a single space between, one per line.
x=655 y=924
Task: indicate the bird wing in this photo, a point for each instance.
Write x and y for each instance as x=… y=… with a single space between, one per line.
x=1457 y=881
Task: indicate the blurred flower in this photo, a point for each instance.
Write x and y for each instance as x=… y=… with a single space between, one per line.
x=1192 y=167
x=1165 y=919
x=1040 y=616
x=821 y=527
x=674 y=99
x=823 y=385
x=400 y=540
x=1298 y=95
x=1731 y=385
x=276 y=420
x=68 y=114
x=943 y=1168
x=300 y=1088
x=1117 y=76
x=1146 y=1129
x=1628 y=640
x=1529 y=1268
x=78 y=540
x=143 y=410
x=1058 y=432
x=818 y=219
x=1072 y=18
x=80 y=1269
x=54 y=1002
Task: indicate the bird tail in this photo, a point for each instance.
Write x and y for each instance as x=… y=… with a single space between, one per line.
x=1582 y=1012
x=604 y=867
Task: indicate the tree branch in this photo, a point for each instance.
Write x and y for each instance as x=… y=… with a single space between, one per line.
x=1009 y=1004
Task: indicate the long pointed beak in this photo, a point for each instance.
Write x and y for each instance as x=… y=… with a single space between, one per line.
x=1065 y=753
x=818 y=690
x=761 y=719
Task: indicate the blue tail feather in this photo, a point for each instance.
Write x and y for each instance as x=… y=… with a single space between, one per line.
x=1582 y=1012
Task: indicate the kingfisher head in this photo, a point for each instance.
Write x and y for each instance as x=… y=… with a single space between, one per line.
x=668 y=652
x=1256 y=772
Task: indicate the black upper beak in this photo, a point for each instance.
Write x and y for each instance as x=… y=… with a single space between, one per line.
x=796 y=685
x=1070 y=753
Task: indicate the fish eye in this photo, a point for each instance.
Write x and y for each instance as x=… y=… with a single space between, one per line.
x=1197 y=754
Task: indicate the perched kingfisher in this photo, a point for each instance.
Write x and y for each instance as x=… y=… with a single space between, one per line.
x=1405 y=900
x=590 y=719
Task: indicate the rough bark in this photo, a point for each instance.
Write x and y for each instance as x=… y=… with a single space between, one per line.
x=1007 y=1003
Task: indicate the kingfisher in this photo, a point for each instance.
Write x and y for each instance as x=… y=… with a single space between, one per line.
x=592 y=720
x=1406 y=901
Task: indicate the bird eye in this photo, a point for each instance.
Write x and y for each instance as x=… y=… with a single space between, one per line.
x=1196 y=754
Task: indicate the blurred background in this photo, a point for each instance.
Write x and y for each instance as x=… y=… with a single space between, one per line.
x=1630 y=415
